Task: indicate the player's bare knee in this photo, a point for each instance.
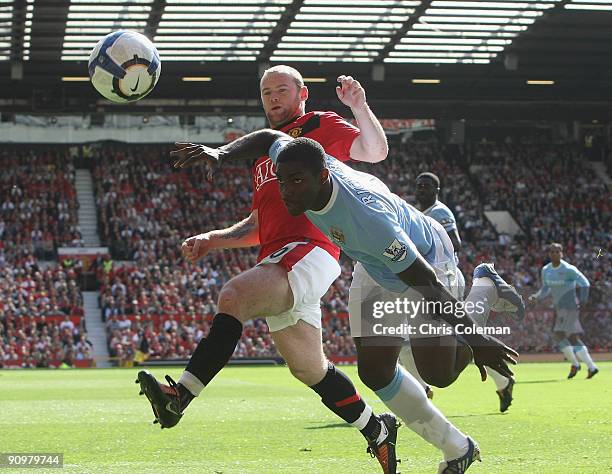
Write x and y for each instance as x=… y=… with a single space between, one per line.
x=376 y=377
x=439 y=376
x=231 y=303
x=308 y=375
x=442 y=380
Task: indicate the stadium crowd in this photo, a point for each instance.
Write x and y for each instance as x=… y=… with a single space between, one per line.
x=177 y=205
x=38 y=204
x=39 y=300
x=41 y=312
x=155 y=304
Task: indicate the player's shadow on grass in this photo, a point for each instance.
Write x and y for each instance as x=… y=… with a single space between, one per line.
x=495 y=413
x=329 y=425
x=522 y=382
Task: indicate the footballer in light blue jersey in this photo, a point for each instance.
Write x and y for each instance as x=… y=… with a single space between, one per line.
x=441 y=213
x=371 y=224
x=380 y=230
x=567 y=286
x=394 y=242
x=426 y=193
x=569 y=290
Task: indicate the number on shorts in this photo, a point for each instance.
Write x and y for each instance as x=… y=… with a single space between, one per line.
x=280 y=252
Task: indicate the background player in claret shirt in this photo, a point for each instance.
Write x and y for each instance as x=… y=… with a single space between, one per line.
x=297 y=264
x=426 y=193
x=561 y=279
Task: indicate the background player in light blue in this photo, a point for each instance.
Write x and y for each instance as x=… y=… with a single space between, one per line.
x=393 y=243
x=569 y=290
x=426 y=194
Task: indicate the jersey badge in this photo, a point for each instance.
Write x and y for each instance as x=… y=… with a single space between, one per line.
x=396 y=251
x=337 y=235
x=295 y=132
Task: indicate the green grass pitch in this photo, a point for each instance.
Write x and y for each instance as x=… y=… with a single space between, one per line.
x=261 y=420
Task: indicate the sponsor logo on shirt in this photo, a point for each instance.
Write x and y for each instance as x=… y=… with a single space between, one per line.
x=558 y=282
x=264 y=172
x=396 y=251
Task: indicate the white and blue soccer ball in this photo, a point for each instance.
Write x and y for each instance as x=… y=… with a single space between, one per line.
x=124 y=66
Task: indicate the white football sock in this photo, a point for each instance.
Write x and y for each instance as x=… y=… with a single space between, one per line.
x=361 y=422
x=583 y=354
x=500 y=380
x=483 y=295
x=191 y=383
x=406 y=399
x=407 y=360
x=568 y=351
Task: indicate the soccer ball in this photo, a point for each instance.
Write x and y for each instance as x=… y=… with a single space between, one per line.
x=124 y=66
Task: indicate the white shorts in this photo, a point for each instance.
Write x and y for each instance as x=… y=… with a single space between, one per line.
x=568 y=321
x=365 y=292
x=311 y=271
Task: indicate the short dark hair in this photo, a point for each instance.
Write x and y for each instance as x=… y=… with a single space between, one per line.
x=555 y=245
x=306 y=151
x=431 y=176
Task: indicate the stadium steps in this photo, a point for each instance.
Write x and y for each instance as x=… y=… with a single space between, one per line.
x=96 y=331
x=600 y=168
x=88 y=218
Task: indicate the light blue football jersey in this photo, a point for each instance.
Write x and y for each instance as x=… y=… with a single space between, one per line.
x=561 y=283
x=371 y=224
x=441 y=213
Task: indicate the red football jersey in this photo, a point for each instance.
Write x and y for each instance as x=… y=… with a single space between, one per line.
x=276 y=226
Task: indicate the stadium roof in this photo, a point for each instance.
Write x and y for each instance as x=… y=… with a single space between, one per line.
x=475 y=49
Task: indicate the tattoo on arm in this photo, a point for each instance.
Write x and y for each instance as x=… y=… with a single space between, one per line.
x=237 y=231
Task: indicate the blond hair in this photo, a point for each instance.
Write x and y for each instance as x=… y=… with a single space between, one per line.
x=284 y=69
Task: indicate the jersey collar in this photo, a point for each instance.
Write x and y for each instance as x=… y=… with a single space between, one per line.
x=289 y=124
x=430 y=207
x=332 y=199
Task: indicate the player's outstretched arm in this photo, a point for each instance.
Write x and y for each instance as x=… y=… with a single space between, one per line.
x=542 y=292
x=250 y=146
x=488 y=351
x=242 y=234
x=371 y=144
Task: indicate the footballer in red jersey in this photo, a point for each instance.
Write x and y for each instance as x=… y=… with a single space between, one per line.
x=276 y=226
x=296 y=266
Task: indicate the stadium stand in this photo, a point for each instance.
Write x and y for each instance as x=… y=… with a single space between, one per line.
x=41 y=321
x=38 y=199
x=41 y=307
x=157 y=306
x=158 y=285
